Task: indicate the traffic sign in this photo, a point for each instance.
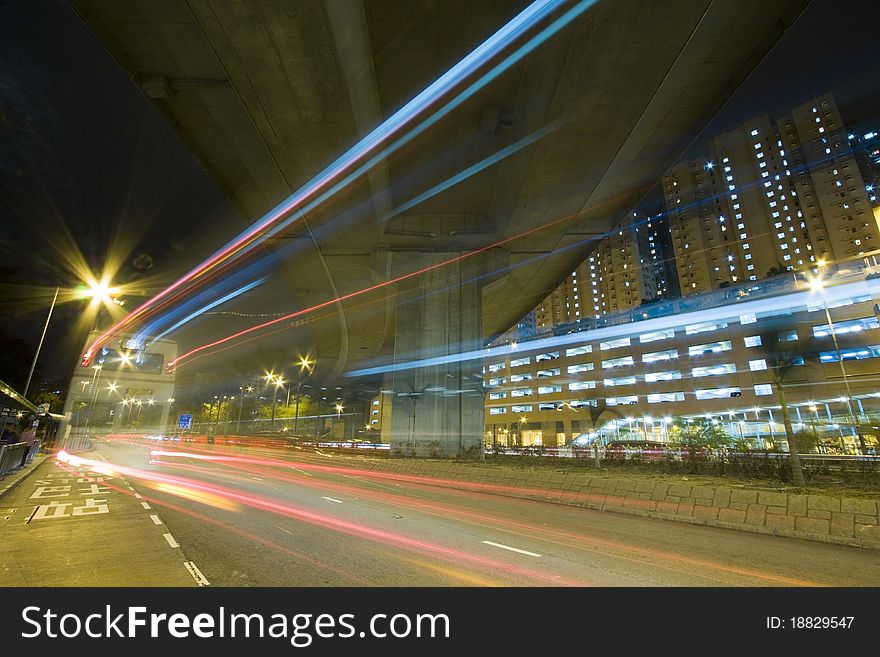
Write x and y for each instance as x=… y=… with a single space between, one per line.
x=185 y=421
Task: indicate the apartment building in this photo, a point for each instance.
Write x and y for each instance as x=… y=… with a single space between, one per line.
x=703 y=356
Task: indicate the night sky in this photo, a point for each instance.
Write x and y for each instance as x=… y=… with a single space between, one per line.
x=83 y=152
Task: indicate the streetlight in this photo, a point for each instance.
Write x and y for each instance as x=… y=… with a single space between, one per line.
x=305 y=365
x=817 y=284
x=278 y=383
x=40 y=344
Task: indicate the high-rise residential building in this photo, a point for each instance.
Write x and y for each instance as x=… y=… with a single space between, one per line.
x=865 y=145
x=628 y=267
x=770 y=196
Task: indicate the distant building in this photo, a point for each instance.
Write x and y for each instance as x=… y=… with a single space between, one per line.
x=629 y=267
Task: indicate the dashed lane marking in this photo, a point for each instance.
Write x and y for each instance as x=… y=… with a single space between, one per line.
x=171 y=541
x=155 y=519
x=331 y=499
x=201 y=580
x=512 y=549
x=145 y=505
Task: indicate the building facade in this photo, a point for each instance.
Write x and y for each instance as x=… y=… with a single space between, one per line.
x=769 y=196
x=704 y=356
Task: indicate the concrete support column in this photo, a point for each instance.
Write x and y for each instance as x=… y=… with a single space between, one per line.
x=436 y=411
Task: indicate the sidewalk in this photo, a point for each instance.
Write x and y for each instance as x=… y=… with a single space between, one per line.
x=13 y=479
x=71 y=526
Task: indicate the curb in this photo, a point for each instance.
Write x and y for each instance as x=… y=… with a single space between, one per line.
x=546 y=491
x=21 y=475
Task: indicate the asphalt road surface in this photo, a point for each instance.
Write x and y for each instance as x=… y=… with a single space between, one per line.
x=303 y=522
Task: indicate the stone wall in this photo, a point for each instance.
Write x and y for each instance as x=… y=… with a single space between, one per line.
x=842 y=520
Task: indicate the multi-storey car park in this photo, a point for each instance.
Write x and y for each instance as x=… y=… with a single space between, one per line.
x=705 y=356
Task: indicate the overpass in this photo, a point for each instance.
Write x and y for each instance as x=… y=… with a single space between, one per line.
x=265 y=94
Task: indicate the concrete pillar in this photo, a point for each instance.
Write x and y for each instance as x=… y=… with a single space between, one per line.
x=437 y=410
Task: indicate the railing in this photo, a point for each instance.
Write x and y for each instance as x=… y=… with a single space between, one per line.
x=16 y=455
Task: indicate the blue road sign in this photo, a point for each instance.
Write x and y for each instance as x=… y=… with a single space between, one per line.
x=185 y=421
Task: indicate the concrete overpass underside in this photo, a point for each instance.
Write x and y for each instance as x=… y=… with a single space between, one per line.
x=267 y=93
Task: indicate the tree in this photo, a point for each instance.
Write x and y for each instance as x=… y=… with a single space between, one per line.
x=55 y=401
x=782 y=356
x=697 y=434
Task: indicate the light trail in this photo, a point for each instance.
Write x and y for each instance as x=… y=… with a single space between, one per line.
x=351 y=295
x=531 y=16
x=771 y=305
x=524 y=530
x=213 y=304
x=329 y=522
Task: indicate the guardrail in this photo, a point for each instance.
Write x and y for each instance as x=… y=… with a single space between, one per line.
x=13 y=456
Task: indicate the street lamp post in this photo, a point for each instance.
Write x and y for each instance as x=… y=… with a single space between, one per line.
x=818 y=285
x=305 y=364
x=40 y=344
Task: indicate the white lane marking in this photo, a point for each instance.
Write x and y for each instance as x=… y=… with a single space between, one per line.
x=512 y=549
x=286 y=531
x=307 y=474
x=373 y=483
x=130 y=488
x=139 y=496
x=201 y=580
x=331 y=499
x=171 y=541
x=155 y=519
x=257 y=478
x=145 y=505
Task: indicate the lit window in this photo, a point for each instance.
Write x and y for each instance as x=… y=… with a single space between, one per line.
x=623 y=361
x=763 y=389
x=709 y=348
x=757 y=365
x=703 y=327
x=657 y=335
x=618 y=401
x=713 y=370
x=660 y=397
x=620 y=381
x=718 y=393
x=658 y=356
x=669 y=375
x=614 y=344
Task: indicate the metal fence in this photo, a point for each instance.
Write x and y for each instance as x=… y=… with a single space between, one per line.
x=13 y=456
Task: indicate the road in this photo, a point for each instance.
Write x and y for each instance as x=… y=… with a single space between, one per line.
x=287 y=519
